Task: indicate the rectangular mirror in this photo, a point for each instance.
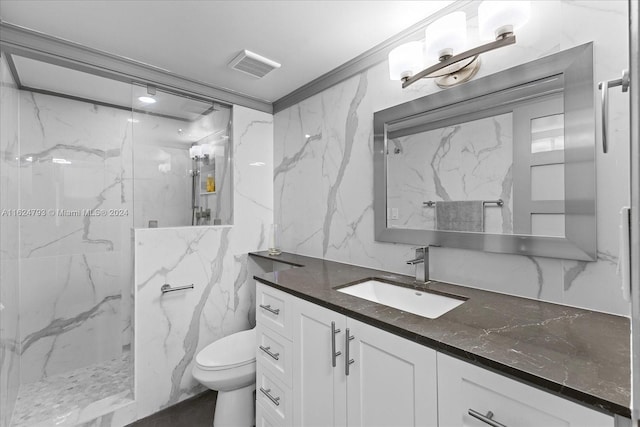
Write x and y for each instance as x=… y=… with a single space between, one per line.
x=505 y=163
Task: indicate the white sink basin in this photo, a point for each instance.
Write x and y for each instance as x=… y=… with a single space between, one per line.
x=424 y=304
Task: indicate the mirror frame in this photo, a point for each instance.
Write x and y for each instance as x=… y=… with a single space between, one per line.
x=575 y=66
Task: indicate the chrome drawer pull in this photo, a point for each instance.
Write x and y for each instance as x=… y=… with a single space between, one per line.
x=334 y=354
x=487 y=419
x=275 y=311
x=266 y=392
x=347 y=361
x=276 y=356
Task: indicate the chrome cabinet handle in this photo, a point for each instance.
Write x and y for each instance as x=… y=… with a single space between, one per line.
x=267 y=349
x=267 y=392
x=347 y=361
x=334 y=354
x=604 y=87
x=487 y=419
x=275 y=311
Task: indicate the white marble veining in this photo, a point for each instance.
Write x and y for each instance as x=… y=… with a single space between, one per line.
x=172 y=328
x=9 y=245
x=323 y=174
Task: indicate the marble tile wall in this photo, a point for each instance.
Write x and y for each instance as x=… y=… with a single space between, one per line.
x=172 y=328
x=9 y=244
x=323 y=169
x=75 y=268
x=452 y=163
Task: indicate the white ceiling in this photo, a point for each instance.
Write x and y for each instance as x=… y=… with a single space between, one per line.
x=197 y=39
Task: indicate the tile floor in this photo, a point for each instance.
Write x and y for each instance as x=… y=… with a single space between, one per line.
x=74 y=397
x=195 y=412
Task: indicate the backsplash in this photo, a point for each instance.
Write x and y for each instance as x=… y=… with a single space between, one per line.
x=323 y=170
x=172 y=328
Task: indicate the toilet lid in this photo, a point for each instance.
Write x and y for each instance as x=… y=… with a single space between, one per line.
x=228 y=352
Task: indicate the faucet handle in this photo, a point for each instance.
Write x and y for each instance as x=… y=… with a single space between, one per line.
x=420 y=255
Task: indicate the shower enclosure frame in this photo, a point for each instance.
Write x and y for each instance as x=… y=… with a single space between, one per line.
x=634 y=104
x=18 y=41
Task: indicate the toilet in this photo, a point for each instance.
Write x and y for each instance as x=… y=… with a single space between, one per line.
x=228 y=365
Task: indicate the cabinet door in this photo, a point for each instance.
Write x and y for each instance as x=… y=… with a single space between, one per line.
x=463 y=387
x=319 y=388
x=392 y=381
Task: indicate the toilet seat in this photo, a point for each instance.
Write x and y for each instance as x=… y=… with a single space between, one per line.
x=232 y=351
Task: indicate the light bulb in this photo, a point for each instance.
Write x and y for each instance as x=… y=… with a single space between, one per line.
x=406 y=60
x=446 y=36
x=498 y=18
x=147 y=99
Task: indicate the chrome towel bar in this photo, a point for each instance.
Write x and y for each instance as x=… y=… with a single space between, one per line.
x=498 y=202
x=167 y=288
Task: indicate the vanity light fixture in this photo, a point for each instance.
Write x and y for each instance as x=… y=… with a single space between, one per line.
x=445 y=42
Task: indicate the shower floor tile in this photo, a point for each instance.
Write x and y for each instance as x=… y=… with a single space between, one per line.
x=74 y=397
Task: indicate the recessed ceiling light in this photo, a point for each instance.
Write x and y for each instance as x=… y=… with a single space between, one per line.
x=147 y=99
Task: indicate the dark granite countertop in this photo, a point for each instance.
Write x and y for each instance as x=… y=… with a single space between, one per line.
x=578 y=354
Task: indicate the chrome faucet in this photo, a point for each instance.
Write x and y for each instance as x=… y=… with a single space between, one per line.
x=421 y=261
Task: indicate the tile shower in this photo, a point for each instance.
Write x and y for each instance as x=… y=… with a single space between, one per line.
x=68 y=192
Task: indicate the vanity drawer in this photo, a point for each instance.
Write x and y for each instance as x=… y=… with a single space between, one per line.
x=274 y=353
x=464 y=388
x=274 y=397
x=273 y=309
x=265 y=418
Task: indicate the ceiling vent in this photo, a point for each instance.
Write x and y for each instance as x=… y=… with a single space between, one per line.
x=253 y=64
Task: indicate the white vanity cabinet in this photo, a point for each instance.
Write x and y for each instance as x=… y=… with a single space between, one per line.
x=389 y=382
x=303 y=378
x=274 y=357
x=392 y=381
x=464 y=389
